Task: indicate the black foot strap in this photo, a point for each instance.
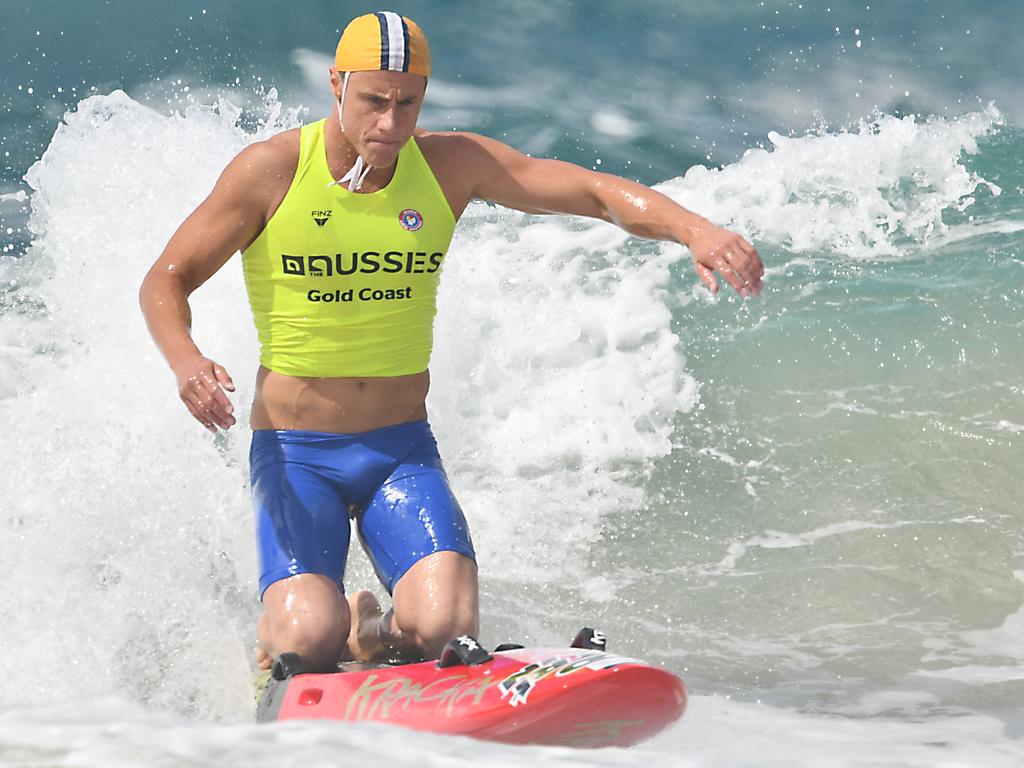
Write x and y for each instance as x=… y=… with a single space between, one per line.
x=286 y=665
x=463 y=651
x=590 y=639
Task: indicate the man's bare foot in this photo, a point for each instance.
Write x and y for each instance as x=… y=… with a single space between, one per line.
x=364 y=639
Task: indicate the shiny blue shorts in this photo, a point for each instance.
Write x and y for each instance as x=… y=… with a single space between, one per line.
x=307 y=485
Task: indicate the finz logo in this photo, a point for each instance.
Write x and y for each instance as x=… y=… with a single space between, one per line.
x=320 y=217
x=411 y=219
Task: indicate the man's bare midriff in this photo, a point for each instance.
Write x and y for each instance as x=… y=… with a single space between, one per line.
x=344 y=405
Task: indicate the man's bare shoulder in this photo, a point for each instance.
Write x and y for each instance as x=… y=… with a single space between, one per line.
x=461 y=161
x=258 y=177
x=269 y=160
x=456 y=143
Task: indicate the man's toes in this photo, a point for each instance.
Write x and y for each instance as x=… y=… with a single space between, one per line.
x=263 y=660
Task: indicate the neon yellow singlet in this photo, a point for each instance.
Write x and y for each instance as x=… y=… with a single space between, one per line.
x=343 y=283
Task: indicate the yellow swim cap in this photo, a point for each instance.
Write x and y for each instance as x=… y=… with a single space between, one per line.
x=383 y=41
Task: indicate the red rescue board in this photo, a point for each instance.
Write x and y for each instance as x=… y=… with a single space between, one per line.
x=564 y=696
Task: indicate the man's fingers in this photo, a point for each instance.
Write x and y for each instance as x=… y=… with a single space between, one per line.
x=223 y=378
x=209 y=400
x=755 y=257
x=726 y=269
x=746 y=267
x=200 y=415
x=201 y=385
x=213 y=389
x=217 y=413
x=740 y=262
x=707 y=277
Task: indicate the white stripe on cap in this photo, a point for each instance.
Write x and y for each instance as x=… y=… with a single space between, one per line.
x=396 y=41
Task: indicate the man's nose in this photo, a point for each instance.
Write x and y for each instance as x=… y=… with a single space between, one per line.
x=388 y=119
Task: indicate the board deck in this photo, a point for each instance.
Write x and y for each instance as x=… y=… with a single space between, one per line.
x=565 y=696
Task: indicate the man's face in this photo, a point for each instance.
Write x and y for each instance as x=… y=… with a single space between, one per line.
x=381 y=109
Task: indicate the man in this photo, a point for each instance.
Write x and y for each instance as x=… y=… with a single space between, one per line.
x=344 y=225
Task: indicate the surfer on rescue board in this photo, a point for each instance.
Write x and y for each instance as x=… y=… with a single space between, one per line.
x=343 y=225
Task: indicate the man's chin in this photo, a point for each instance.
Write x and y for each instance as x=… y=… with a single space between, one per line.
x=381 y=155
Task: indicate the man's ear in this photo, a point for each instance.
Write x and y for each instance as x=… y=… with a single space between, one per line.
x=336 y=82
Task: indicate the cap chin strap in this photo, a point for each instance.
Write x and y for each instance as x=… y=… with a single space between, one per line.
x=359 y=170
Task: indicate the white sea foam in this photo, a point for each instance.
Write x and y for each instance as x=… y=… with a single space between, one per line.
x=111 y=494
x=108 y=733
x=558 y=378
x=17 y=196
x=876 y=191
x=613 y=123
x=780 y=540
x=963 y=232
x=1002 y=642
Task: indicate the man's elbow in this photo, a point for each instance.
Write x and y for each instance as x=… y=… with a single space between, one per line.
x=146 y=289
x=161 y=280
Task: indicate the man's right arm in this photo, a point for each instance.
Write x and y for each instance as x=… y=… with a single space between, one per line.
x=225 y=222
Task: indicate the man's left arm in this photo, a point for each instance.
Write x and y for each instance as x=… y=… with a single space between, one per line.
x=507 y=177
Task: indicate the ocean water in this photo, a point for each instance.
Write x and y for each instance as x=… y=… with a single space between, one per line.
x=806 y=504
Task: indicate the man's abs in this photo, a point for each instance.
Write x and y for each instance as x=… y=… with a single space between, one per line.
x=344 y=405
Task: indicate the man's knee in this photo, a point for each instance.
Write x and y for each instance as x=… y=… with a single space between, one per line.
x=429 y=631
x=436 y=601
x=430 y=641
x=306 y=617
x=308 y=628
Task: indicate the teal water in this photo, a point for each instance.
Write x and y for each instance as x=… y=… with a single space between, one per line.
x=805 y=504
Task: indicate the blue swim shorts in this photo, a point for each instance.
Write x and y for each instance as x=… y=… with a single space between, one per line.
x=307 y=485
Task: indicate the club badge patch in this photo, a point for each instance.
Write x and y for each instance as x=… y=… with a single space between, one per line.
x=411 y=219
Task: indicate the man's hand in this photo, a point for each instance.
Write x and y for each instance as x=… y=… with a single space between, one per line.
x=718 y=250
x=201 y=385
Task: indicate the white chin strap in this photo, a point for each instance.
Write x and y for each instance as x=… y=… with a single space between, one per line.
x=360 y=169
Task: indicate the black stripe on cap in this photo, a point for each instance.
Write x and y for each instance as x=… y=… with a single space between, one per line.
x=385 y=55
x=405 y=40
